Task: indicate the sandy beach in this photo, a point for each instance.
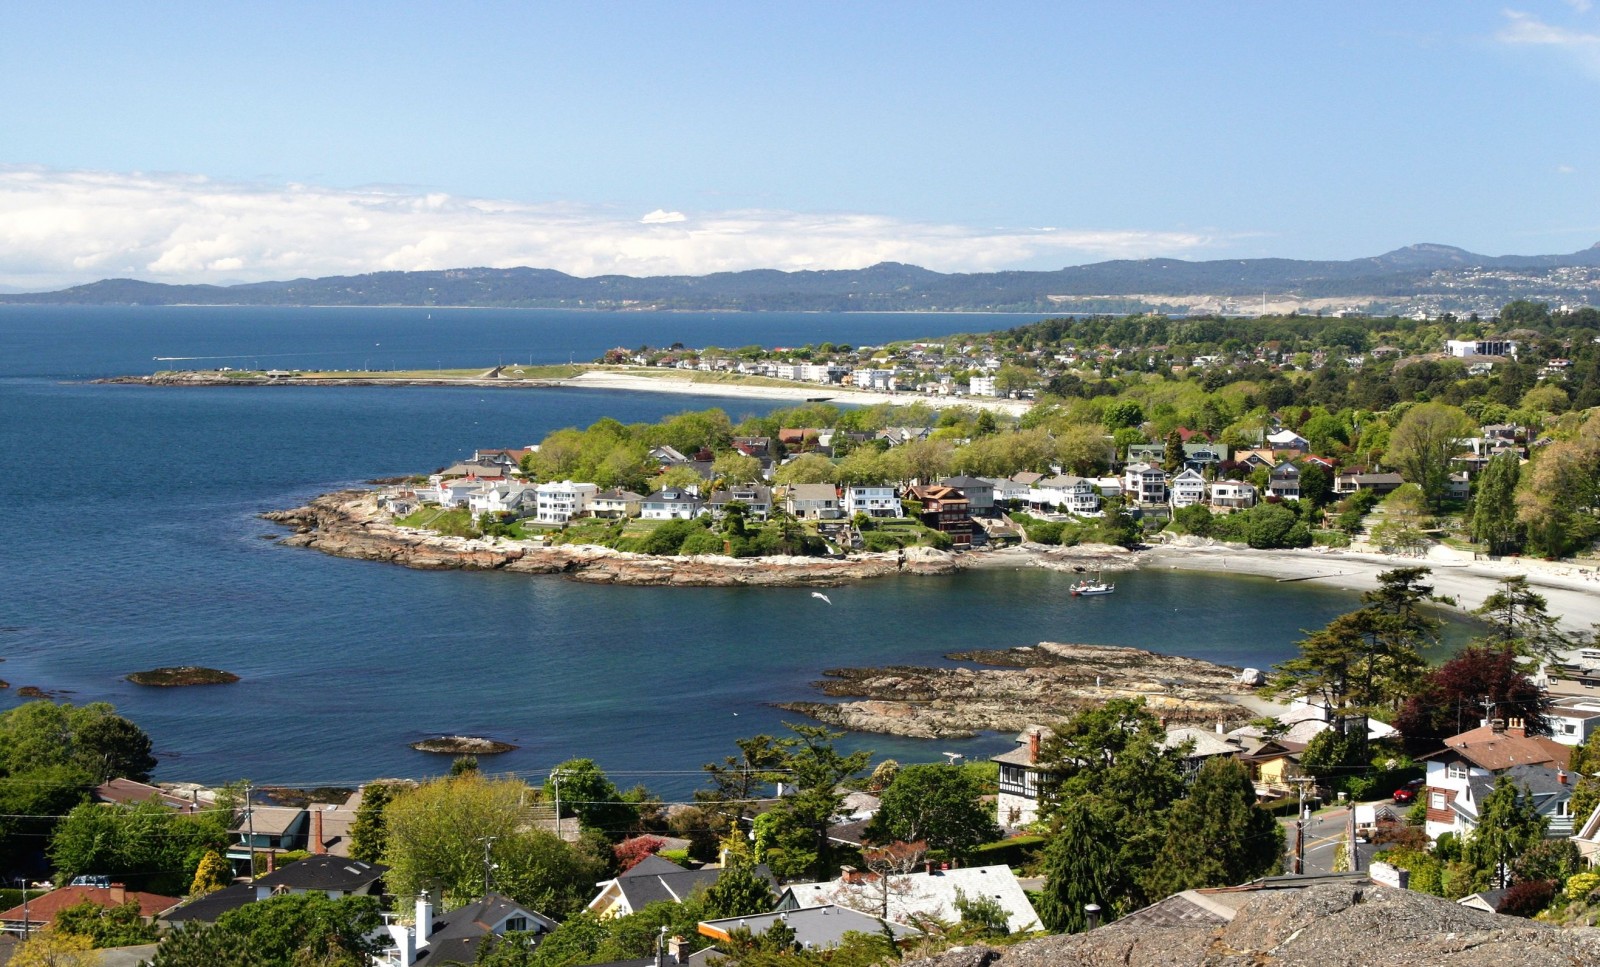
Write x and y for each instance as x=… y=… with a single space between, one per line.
x=799 y=393
x=1573 y=592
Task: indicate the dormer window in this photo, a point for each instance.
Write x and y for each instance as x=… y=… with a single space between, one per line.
x=1456 y=770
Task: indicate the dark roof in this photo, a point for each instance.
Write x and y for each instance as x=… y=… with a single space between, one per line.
x=208 y=908
x=655 y=879
x=325 y=872
x=457 y=934
x=963 y=482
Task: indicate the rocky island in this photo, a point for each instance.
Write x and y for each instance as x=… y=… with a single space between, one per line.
x=1023 y=686
x=463 y=745
x=180 y=675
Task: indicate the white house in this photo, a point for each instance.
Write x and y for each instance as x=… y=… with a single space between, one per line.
x=1188 y=488
x=910 y=897
x=450 y=491
x=456 y=936
x=1144 y=483
x=1232 y=493
x=1476 y=756
x=813 y=501
x=557 y=503
x=982 y=386
x=671 y=504
x=1462 y=348
x=502 y=498
x=1572 y=721
x=1287 y=440
x=874 y=500
x=1066 y=494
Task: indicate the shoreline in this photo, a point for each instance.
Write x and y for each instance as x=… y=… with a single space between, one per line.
x=1573 y=594
x=348 y=524
x=599 y=380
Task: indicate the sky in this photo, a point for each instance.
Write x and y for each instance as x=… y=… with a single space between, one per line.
x=231 y=142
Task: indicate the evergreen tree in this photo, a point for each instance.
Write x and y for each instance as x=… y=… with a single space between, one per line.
x=368 y=834
x=1216 y=835
x=1494 y=509
x=1080 y=867
x=738 y=892
x=1172 y=458
x=1519 y=622
x=1508 y=826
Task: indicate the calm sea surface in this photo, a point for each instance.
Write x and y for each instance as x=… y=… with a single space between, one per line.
x=130 y=540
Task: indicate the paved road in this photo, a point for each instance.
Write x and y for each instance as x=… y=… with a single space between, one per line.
x=1324 y=831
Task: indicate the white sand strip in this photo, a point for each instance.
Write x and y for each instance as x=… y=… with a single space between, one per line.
x=799 y=393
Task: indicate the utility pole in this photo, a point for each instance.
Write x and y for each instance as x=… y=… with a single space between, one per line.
x=1300 y=826
x=555 y=780
x=488 y=843
x=1350 y=831
x=250 y=820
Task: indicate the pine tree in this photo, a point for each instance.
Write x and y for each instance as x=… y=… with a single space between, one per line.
x=1080 y=867
x=1494 y=509
x=1172 y=459
x=1508 y=825
x=1216 y=835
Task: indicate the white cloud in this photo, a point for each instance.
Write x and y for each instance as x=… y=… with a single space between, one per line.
x=64 y=227
x=1526 y=30
x=1565 y=169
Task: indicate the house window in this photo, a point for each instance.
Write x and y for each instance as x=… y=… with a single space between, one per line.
x=517 y=923
x=1436 y=800
x=1569 y=728
x=1564 y=808
x=1456 y=770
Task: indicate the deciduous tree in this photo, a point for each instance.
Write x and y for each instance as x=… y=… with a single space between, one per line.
x=1423 y=443
x=937 y=804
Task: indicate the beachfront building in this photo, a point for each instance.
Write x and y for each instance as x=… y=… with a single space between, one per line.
x=615 y=503
x=669 y=503
x=982 y=386
x=979 y=492
x=756 y=498
x=1284 y=481
x=557 y=503
x=1144 y=484
x=517 y=499
x=1188 y=488
x=1065 y=494
x=946 y=510
x=1233 y=494
x=874 y=500
x=813 y=502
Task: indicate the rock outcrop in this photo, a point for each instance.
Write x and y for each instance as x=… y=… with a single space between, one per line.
x=179 y=675
x=1031 y=684
x=463 y=745
x=348 y=524
x=1320 y=926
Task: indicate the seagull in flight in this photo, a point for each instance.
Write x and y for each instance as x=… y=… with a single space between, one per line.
x=819 y=594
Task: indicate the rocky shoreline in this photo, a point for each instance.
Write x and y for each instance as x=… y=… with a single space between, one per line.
x=1024 y=686
x=349 y=524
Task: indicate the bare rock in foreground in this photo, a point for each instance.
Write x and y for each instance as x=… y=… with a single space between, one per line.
x=1321 y=926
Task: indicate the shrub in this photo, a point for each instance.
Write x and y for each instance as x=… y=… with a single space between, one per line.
x=701 y=542
x=1527 y=898
x=880 y=542
x=1580 y=885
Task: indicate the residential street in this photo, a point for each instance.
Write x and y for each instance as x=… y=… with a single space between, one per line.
x=1324 y=831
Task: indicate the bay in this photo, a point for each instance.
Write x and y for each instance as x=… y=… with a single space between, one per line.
x=131 y=541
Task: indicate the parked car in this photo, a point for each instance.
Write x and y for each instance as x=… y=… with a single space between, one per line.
x=1408 y=792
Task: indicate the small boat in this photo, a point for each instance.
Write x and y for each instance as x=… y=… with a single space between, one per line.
x=1086 y=587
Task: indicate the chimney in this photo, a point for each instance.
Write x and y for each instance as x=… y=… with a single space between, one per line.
x=1219 y=727
x=1033 y=745
x=316 y=832
x=405 y=942
x=675 y=954
x=1498 y=726
x=272 y=861
x=119 y=894
x=1516 y=727
x=1561 y=776
x=424 y=918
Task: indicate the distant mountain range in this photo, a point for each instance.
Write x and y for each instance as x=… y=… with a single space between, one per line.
x=1415 y=278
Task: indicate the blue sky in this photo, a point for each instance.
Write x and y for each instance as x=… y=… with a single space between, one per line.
x=220 y=142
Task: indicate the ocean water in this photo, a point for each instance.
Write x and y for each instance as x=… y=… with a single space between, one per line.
x=130 y=540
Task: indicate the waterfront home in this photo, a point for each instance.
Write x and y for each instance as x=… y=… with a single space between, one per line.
x=944 y=509
x=814 y=928
x=448 y=493
x=759 y=447
x=671 y=504
x=1233 y=494
x=1144 y=484
x=979 y=493
x=454 y=936
x=1202 y=454
x=1147 y=453
x=476 y=470
x=925 y=894
x=757 y=500
x=126 y=792
x=615 y=503
x=813 y=501
x=667 y=456
x=1007 y=490
x=1379 y=483
x=1255 y=459
x=1459 y=486
x=1481 y=754
x=562 y=501
x=874 y=500
x=1187 y=488
x=1108 y=486
x=516 y=499
x=653 y=879
x=1284 y=481
x=510 y=459
x=1065 y=494
x=41 y=910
